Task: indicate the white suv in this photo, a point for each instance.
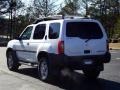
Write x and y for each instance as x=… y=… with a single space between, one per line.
x=55 y=44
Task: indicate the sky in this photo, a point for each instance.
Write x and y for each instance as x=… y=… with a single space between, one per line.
x=27 y=2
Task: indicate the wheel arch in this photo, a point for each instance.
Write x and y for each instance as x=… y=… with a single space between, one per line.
x=9 y=49
x=42 y=54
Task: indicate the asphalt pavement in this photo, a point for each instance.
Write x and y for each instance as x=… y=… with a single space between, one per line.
x=26 y=78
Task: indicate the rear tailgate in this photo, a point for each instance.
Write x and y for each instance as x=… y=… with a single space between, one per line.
x=84 y=38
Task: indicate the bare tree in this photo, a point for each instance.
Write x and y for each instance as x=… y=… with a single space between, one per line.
x=71 y=7
x=6 y=5
x=3 y=6
x=85 y=4
x=44 y=7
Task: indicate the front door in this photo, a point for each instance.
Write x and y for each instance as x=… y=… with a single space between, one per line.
x=22 y=45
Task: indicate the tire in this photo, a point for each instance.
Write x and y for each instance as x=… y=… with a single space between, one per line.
x=12 y=62
x=91 y=74
x=44 y=70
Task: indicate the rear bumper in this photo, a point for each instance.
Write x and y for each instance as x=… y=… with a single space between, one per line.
x=77 y=62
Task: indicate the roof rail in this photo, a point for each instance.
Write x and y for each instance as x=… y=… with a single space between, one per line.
x=54 y=17
x=57 y=17
x=42 y=19
x=73 y=17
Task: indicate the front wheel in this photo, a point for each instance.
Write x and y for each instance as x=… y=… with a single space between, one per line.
x=93 y=74
x=12 y=62
x=44 y=69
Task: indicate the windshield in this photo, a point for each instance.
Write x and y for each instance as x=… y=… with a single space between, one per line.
x=84 y=30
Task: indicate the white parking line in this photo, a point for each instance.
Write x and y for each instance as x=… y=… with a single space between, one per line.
x=114 y=52
x=118 y=58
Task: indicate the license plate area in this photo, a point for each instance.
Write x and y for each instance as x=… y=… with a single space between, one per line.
x=87 y=61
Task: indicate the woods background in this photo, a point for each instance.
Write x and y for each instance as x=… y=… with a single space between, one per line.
x=15 y=15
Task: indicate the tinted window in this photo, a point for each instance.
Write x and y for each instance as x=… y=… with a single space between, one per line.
x=54 y=30
x=84 y=30
x=39 y=31
x=27 y=33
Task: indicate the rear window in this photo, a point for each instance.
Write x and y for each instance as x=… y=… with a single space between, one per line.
x=84 y=30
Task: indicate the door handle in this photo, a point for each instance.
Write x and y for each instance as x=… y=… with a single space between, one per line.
x=27 y=43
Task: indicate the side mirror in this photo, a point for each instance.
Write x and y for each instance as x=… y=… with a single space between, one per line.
x=18 y=38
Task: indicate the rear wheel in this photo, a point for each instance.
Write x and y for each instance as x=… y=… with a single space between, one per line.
x=12 y=62
x=44 y=69
x=93 y=74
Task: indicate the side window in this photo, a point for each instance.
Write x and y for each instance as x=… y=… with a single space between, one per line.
x=39 y=31
x=54 y=30
x=27 y=33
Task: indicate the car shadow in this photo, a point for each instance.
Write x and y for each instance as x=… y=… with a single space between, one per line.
x=75 y=81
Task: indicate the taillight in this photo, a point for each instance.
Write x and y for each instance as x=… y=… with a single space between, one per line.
x=60 y=47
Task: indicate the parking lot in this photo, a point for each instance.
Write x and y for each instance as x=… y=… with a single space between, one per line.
x=26 y=78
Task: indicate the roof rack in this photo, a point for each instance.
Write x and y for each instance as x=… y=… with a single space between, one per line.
x=42 y=19
x=57 y=17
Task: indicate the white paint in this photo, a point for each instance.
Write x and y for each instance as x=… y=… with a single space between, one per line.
x=118 y=58
x=114 y=52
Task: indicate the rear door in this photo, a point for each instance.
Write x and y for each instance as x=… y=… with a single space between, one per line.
x=36 y=42
x=84 y=38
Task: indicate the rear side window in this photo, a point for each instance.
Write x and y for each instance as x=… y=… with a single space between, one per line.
x=54 y=30
x=84 y=30
x=39 y=31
